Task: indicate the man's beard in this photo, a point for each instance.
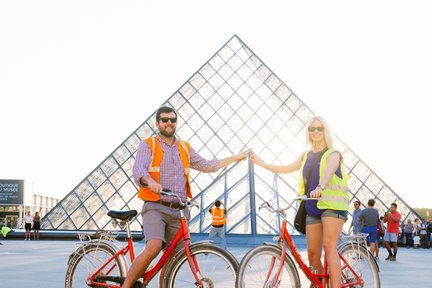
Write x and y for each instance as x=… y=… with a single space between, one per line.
x=167 y=134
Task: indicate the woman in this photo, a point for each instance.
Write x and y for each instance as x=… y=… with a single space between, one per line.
x=408 y=231
x=321 y=176
x=36 y=226
x=27 y=225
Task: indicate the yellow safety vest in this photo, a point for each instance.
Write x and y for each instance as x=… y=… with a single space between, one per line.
x=218 y=216
x=154 y=168
x=335 y=194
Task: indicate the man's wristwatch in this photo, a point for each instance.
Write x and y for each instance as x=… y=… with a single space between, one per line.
x=320 y=186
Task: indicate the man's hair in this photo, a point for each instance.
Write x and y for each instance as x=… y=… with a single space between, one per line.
x=357 y=202
x=217 y=203
x=371 y=202
x=394 y=204
x=164 y=109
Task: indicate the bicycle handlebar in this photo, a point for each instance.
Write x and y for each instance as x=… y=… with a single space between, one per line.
x=281 y=211
x=182 y=203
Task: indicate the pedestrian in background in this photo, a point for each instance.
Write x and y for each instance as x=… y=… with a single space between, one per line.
x=27 y=225
x=355 y=226
x=392 y=219
x=218 y=212
x=36 y=226
x=424 y=239
x=409 y=228
x=381 y=233
x=369 y=218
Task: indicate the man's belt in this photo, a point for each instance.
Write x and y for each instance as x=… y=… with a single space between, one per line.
x=175 y=205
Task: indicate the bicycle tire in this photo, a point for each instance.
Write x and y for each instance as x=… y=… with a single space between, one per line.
x=218 y=267
x=255 y=266
x=86 y=260
x=363 y=263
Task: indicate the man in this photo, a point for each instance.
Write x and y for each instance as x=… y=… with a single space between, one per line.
x=356 y=224
x=392 y=219
x=423 y=232
x=163 y=162
x=369 y=218
x=218 y=213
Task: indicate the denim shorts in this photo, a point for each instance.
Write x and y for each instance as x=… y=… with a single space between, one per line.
x=311 y=219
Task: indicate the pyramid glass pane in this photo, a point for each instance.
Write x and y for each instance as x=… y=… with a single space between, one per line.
x=232 y=102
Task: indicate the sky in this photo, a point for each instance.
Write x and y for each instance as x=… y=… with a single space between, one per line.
x=78 y=77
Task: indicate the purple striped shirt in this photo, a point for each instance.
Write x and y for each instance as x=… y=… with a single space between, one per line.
x=171 y=175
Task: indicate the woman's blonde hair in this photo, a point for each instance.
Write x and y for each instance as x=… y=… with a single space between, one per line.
x=328 y=135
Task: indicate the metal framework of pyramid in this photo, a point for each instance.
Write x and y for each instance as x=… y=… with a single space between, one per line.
x=233 y=101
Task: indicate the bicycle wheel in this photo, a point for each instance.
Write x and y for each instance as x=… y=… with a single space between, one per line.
x=260 y=265
x=86 y=260
x=218 y=268
x=363 y=263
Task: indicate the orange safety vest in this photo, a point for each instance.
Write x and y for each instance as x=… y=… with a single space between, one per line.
x=218 y=216
x=154 y=168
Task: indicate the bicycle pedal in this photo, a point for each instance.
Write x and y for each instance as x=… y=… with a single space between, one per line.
x=115 y=279
x=138 y=284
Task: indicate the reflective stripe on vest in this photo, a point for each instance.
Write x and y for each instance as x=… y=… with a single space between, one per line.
x=335 y=194
x=154 y=166
x=218 y=216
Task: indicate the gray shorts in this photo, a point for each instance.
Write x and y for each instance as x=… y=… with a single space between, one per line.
x=327 y=213
x=390 y=237
x=161 y=222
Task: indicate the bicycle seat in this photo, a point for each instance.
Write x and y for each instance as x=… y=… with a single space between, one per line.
x=122 y=215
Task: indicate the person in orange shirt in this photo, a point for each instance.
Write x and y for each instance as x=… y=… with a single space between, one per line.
x=161 y=162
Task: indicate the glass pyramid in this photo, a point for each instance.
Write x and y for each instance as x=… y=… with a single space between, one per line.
x=232 y=102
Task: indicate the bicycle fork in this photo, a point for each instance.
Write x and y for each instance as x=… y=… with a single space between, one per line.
x=193 y=264
x=273 y=282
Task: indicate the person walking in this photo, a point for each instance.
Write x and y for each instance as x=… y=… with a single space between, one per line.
x=321 y=176
x=355 y=226
x=36 y=226
x=369 y=217
x=392 y=219
x=164 y=162
x=27 y=225
x=218 y=212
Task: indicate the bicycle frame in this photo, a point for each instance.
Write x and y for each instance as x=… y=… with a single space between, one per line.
x=320 y=280
x=182 y=234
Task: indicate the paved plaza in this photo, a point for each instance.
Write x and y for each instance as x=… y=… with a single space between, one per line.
x=43 y=264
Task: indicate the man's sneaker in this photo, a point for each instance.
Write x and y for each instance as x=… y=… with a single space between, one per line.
x=376 y=258
x=392 y=258
x=389 y=257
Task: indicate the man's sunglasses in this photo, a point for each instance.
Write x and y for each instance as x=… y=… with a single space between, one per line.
x=319 y=129
x=166 y=119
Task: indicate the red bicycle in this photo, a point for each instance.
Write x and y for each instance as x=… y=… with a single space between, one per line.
x=102 y=263
x=269 y=264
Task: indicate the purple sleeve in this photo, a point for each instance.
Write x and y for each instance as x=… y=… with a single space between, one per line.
x=197 y=162
x=142 y=162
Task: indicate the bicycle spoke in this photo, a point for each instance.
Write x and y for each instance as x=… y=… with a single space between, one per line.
x=218 y=268
x=259 y=268
x=362 y=270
